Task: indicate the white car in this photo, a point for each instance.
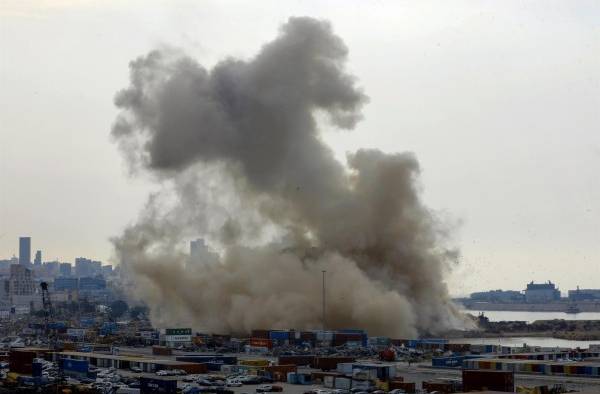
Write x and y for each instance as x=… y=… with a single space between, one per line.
x=162 y=373
x=234 y=383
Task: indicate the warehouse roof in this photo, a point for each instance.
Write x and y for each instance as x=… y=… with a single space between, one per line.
x=138 y=359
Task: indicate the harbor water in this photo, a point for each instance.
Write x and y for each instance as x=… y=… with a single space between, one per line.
x=530 y=317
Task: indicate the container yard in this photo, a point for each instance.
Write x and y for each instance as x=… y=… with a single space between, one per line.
x=303 y=362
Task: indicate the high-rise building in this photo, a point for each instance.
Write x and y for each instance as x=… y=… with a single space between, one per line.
x=62 y=284
x=65 y=269
x=107 y=270
x=38 y=258
x=20 y=282
x=51 y=269
x=201 y=253
x=87 y=267
x=25 y=250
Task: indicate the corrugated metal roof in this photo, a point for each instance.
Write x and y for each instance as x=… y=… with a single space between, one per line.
x=140 y=359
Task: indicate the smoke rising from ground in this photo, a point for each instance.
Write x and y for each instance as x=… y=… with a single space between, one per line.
x=241 y=163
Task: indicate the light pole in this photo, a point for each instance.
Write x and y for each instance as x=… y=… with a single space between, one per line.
x=323 y=299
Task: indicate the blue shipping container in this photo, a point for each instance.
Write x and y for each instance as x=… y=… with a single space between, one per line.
x=279 y=335
x=72 y=366
x=292 y=378
x=447 y=362
x=36 y=369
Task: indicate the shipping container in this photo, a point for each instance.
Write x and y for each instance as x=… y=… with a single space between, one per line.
x=292 y=378
x=330 y=363
x=161 y=351
x=264 y=334
x=304 y=378
x=298 y=360
x=343 y=383
x=363 y=385
x=279 y=335
x=36 y=369
x=325 y=336
x=409 y=387
x=308 y=336
x=279 y=372
x=21 y=361
x=345 y=368
x=261 y=342
x=447 y=362
x=328 y=381
x=72 y=367
x=255 y=363
x=155 y=385
x=503 y=381
x=440 y=387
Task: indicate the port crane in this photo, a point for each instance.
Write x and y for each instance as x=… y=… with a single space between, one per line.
x=47 y=307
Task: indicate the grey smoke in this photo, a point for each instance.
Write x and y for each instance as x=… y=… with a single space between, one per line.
x=238 y=153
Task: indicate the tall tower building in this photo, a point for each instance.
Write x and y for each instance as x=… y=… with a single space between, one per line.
x=25 y=250
x=38 y=258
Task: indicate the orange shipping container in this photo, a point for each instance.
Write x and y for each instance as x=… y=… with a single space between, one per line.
x=261 y=342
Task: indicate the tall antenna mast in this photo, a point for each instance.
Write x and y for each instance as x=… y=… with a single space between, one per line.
x=323 y=297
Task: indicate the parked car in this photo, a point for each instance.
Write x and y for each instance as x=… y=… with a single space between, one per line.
x=204 y=382
x=135 y=369
x=162 y=373
x=234 y=383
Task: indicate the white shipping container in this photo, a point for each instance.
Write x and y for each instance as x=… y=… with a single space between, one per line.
x=324 y=335
x=392 y=371
x=345 y=368
x=76 y=332
x=366 y=373
x=363 y=385
x=328 y=381
x=343 y=383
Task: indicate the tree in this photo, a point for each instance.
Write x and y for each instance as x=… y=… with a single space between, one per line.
x=118 y=308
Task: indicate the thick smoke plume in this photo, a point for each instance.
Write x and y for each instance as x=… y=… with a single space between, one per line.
x=241 y=163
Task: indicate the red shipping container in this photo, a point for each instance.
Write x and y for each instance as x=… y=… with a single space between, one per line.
x=298 y=360
x=409 y=387
x=330 y=363
x=161 y=351
x=260 y=334
x=441 y=387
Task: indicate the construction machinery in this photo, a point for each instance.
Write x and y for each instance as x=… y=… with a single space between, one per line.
x=47 y=307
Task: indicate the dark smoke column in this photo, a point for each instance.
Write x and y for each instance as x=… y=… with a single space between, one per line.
x=238 y=155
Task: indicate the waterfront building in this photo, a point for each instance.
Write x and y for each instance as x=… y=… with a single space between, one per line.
x=541 y=292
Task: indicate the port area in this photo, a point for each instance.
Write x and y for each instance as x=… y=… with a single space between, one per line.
x=414 y=372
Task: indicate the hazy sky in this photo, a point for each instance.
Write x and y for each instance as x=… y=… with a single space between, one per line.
x=499 y=100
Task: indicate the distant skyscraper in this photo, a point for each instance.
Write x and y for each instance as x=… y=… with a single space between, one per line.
x=25 y=250
x=200 y=252
x=87 y=267
x=38 y=258
x=65 y=269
